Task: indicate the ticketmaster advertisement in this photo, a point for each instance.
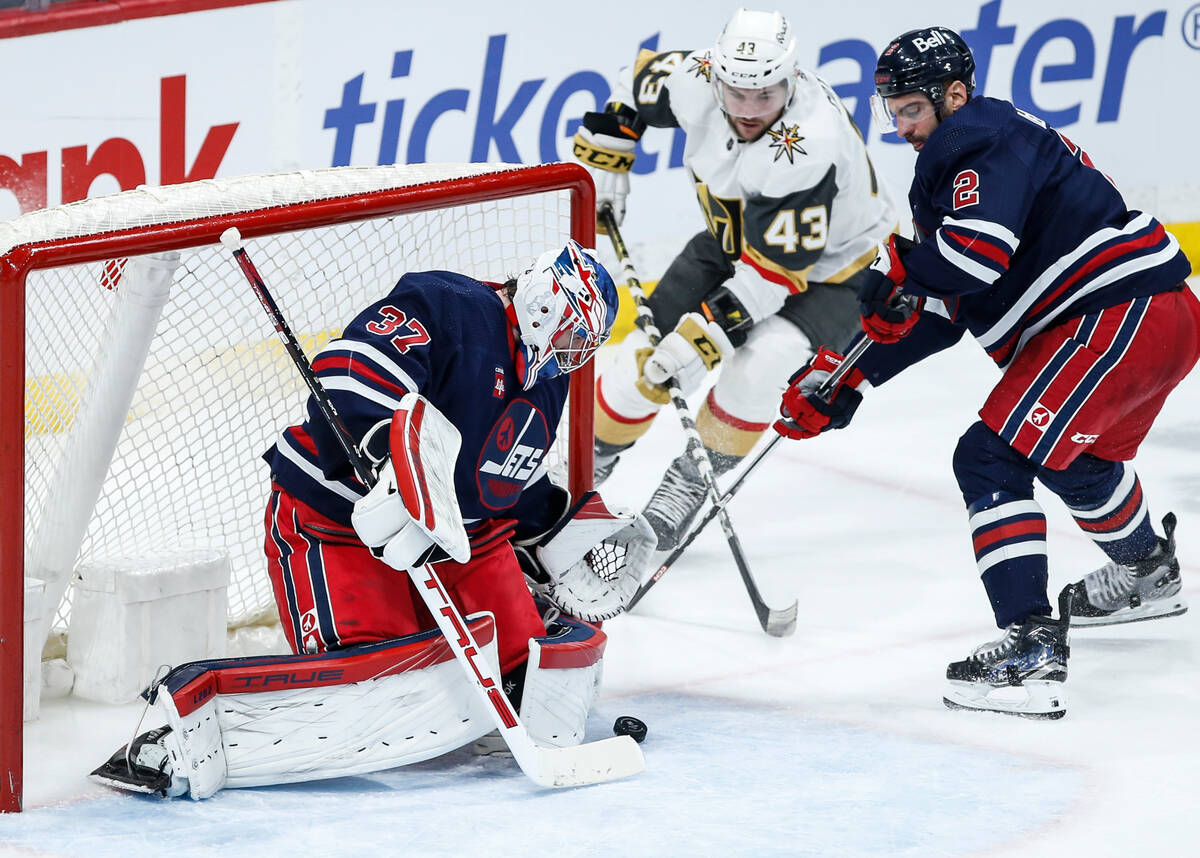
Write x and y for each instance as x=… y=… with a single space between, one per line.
x=302 y=84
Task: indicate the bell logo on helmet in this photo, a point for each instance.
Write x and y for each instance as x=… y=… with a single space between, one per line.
x=936 y=38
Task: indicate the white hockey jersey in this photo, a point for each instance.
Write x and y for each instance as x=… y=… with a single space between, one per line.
x=800 y=203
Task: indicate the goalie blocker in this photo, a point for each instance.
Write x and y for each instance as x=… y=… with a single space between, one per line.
x=282 y=719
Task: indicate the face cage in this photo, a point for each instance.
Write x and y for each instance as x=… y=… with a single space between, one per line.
x=572 y=346
x=785 y=88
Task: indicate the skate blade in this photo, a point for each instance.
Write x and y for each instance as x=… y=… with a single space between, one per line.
x=131 y=778
x=1033 y=699
x=1156 y=610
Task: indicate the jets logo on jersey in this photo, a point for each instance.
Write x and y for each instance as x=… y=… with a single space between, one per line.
x=514 y=450
x=701 y=66
x=785 y=140
x=1040 y=416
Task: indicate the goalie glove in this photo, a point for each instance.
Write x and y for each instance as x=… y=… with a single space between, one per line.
x=411 y=516
x=687 y=354
x=605 y=145
x=592 y=562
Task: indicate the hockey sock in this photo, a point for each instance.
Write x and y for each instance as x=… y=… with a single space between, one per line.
x=1008 y=534
x=1105 y=498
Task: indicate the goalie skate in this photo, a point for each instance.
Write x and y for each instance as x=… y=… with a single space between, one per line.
x=145 y=766
x=1022 y=673
x=1126 y=593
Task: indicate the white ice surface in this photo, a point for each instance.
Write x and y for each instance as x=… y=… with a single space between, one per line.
x=833 y=742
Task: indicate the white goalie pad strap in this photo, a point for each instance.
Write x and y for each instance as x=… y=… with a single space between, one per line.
x=194 y=744
x=562 y=681
x=284 y=719
x=413 y=505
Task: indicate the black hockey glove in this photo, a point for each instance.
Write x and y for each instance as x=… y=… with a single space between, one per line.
x=723 y=307
x=605 y=145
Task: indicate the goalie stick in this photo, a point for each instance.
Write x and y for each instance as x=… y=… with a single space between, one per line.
x=824 y=391
x=778 y=623
x=579 y=765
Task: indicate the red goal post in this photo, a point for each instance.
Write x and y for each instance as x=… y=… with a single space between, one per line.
x=120 y=385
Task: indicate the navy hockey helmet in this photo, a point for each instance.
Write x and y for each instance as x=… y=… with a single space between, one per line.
x=921 y=61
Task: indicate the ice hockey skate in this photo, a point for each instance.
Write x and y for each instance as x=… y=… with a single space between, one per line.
x=1022 y=673
x=144 y=766
x=673 y=506
x=1126 y=593
x=605 y=458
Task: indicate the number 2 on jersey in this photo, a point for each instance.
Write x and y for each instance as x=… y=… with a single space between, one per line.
x=966 y=189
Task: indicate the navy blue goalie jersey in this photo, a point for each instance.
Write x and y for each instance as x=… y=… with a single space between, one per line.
x=445 y=336
x=1019 y=231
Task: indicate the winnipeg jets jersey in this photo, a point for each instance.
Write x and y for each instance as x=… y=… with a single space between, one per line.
x=447 y=337
x=800 y=203
x=1020 y=231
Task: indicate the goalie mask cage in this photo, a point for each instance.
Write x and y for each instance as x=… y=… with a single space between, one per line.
x=142 y=381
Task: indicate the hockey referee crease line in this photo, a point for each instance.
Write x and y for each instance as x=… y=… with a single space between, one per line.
x=778 y=623
x=579 y=765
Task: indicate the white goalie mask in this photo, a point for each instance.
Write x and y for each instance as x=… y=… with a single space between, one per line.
x=564 y=307
x=754 y=64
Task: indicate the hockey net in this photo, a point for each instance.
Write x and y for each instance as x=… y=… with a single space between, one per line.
x=146 y=412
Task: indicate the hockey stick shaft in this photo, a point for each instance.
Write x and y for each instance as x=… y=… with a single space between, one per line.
x=774 y=622
x=824 y=391
x=608 y=759
x=708 y=517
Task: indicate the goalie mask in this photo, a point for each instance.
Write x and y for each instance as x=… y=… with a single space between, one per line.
x=564 y=307
x=754 y=64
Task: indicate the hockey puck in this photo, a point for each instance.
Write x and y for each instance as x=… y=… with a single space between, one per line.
x=627 y=725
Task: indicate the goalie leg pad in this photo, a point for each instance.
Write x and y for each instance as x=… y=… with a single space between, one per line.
x=562 y=680
x=282 y=719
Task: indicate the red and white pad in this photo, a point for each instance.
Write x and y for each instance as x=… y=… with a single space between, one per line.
x=413 y=507
x=281 y=719
x=562 y=680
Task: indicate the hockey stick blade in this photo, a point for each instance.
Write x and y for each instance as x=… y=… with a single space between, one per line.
x=776 y=623
x=592 y=763
x=780 y=624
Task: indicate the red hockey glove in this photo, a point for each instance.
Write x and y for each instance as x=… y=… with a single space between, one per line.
x=807 y=415
x=887 y=315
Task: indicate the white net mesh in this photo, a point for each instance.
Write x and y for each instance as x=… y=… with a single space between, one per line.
x=217 y=386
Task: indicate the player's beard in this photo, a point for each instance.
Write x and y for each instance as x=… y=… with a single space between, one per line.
x=750 y=129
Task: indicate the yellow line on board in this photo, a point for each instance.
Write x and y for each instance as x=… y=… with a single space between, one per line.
x=1189 y=239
